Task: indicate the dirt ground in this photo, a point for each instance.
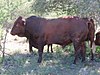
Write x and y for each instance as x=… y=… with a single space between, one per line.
x=17 y=44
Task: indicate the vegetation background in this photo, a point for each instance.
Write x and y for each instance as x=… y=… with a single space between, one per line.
x=56 y=63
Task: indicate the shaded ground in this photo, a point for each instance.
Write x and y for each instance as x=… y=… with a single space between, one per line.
x=58 y=63
x=52 y=64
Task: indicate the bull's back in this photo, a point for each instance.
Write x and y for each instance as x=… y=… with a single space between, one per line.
x=60 y=30
x=34 y=25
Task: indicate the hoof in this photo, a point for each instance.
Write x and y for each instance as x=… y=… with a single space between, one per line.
x=74 y=62
x=73 y=66
x=48 y=52
x=92 y=59
x=28 y=55
x=31 y=52
x=51 y=51
x=83 y=60
x=39 y=61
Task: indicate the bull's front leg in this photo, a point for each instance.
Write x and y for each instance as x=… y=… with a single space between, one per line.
x=30 y=46
x=40 y=52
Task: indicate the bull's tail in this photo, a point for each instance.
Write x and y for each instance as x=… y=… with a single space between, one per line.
x=93 y=47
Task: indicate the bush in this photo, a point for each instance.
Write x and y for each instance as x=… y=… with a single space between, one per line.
x=98 y=49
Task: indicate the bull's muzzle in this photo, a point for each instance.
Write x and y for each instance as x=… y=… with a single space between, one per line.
x=12 y=33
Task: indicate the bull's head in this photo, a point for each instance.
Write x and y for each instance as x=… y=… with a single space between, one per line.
x=19 y=27
x=97 y=41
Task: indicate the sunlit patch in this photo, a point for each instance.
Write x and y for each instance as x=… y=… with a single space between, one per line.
x=27 y=62
x=98 y=70
x=49 y=63
x=83 y=71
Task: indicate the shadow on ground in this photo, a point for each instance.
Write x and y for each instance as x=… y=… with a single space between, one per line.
x=53 y=64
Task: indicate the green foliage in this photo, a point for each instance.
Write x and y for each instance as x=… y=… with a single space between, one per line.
x=57 y=7
x=69 y=48
x=10 y=9
x=98 y=49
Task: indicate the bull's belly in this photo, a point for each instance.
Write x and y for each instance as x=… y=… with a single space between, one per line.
x=62 y=42
x=35 y=45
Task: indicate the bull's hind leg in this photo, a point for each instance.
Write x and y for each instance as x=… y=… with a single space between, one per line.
x=48 y=48
x=76 y=44
x=92 y=54
x=83 y=51
x=51 y=48
x=93 y=48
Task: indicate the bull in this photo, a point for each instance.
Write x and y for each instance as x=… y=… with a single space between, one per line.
x=62 y=31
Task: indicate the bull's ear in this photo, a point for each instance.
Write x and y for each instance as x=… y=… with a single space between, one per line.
x=24 y=21
x=20 y=17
